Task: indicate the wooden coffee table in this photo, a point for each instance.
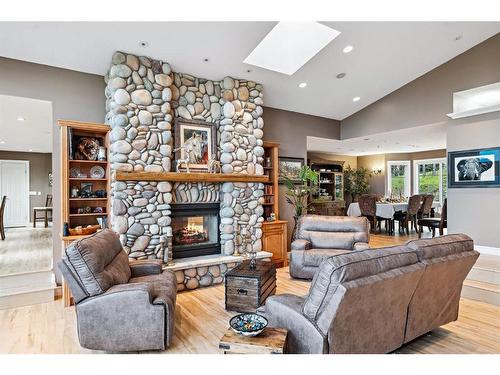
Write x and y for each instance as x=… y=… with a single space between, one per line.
x=270 y=341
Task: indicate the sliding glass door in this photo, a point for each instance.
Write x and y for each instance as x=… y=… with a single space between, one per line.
x=430 y=178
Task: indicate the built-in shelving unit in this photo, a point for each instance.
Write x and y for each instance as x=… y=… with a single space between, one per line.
x=329 y=199
x=271 y=192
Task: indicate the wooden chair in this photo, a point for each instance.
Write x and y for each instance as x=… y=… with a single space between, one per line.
x=434 y=222
x=426 y=207
x=410 y=216
x=368 y=207
x=47 y=209
x=2 y=210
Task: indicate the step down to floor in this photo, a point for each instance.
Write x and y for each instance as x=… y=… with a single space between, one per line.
x=26 y=289
x=483 y=281
x=481 y=291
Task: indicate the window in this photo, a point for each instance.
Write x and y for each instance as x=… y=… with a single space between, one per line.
x=430 y=178
x=398 y=178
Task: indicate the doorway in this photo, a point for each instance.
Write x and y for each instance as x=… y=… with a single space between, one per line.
x=14 y=184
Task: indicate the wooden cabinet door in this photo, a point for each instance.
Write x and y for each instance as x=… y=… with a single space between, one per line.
x=274 y=241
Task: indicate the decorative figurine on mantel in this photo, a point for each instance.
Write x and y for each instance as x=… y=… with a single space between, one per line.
x=214 y=165
x=184 y=161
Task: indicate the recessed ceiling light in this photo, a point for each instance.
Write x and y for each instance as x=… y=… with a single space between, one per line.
x=289 y=45
x=302 y=85
x=30 y=150
x=340 y=75
x=356 y=99
x=366 y=139
x=458 y=37
x=144 y=44
x=249 y=70
x=348 y=49
x=2 y=142
x=206 y=59
x=20 y=118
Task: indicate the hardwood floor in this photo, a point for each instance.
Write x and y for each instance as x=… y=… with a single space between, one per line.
x=201 y=320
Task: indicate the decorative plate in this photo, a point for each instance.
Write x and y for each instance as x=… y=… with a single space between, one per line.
x=74 y=172
x=97 y=172
x=248 y=324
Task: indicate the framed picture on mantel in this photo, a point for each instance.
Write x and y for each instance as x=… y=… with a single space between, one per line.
x=195 y=140
x=474 y=168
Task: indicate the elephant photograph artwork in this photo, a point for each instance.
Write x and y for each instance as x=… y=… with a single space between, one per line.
x=474 y=168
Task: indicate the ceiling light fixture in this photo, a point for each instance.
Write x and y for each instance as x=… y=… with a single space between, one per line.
x=276 y=51
x=144 y=44
x=30 y=150
x=458 y=37
x=248 y=70
x=348 y=49
x=302 y=85
x=340 y=75
x=356 y=99
x=206 y=59
x=2 y=142
x=20 y=118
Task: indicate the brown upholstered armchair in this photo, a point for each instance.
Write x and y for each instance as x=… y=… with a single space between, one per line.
x=120 y=306
x=319 y=237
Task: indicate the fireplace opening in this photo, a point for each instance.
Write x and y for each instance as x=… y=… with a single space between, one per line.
x=195 y=229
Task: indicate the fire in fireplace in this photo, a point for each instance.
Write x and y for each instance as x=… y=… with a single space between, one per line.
x=195 y=229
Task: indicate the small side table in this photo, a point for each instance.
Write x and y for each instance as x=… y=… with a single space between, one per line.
x=270 y=341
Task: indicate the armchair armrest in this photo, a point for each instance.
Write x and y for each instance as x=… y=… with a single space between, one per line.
x=145 y=267
x=300 y=245
x=361 y=246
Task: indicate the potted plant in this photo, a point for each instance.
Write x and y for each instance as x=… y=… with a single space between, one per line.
x=298 y=194
x=356 y=182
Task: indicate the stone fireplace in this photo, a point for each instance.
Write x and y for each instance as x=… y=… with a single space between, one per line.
x=195 y=229
x=143 y=98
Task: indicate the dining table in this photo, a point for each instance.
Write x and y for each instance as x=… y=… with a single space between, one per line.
x=385 y=210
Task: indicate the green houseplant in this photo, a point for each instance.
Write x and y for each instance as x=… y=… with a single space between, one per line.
x=297 y=194
x=356 y=182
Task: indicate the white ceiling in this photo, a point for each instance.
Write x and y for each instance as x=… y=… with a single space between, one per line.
x=386 y=55
x=420 y=138
x=34 y=133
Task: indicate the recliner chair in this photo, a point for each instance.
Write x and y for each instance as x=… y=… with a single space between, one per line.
x=120 y=306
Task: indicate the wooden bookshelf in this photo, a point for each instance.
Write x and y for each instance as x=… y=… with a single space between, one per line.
x=70 y=132
x=271 y=192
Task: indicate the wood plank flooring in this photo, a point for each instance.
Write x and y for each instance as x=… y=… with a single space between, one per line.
x=201 y=320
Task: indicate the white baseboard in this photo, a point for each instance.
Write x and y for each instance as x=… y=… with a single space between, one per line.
x=487 y=250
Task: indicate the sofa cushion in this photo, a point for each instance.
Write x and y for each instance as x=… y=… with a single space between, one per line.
x=327 y=232
x=314 y=257
x=441 y=246
x=351 y=266
x=164 y=286
x=99 y=262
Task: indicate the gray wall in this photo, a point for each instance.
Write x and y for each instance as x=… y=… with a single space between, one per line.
x=475 y=211
x=291 y=129
x=74 y=96
x=428 y=99
x=40 y=166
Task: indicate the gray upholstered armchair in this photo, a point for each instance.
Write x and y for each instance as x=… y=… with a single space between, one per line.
x=319 y=237
x=120 y=306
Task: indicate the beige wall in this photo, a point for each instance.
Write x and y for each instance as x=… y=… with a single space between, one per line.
x=39 y=169
x=291 y=129
x=378 y=182
x=74 y=96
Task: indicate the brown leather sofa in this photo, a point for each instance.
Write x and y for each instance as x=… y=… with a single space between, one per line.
x=376 y=300
x=319 y=237
x=120 y=306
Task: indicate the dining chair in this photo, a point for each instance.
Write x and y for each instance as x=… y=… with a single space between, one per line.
x=46 y=210
x=368 y=208
x=434 y=222
x=2 y=209
x=410 y=216
x=426 y=207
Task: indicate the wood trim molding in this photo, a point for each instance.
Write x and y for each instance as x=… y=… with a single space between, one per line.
x=90 y=126
x=189 y=177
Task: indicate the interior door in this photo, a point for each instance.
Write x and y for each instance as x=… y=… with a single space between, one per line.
x=14 y=183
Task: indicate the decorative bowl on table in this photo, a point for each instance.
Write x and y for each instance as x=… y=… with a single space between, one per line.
x=248 y=324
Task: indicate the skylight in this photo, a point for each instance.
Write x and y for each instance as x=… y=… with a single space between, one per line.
x=289 y=45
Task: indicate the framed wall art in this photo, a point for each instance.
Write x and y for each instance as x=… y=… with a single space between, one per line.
x=196 y=141
x=474 y=168
x=289 y=167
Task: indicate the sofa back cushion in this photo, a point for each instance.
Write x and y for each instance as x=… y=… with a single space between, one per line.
x=448 y=260
x=98 y=262
x=363 y=286
x=333 y=232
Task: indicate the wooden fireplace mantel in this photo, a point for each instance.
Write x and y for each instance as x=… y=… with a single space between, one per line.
x=190 y=177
